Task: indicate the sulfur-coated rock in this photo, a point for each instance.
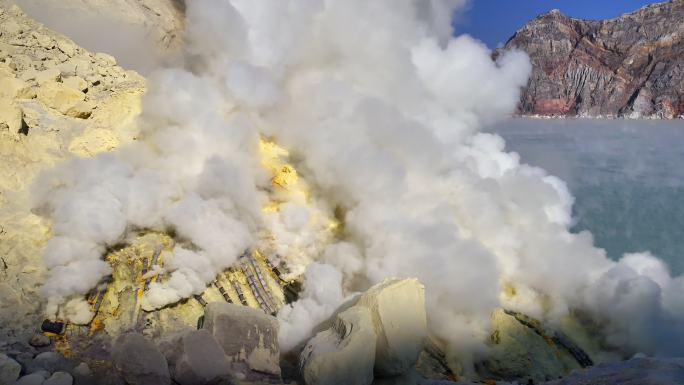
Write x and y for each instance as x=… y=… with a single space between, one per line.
x=248 y=337
x=48 y=75
x=10 y=115
x=343 y=354
x=520 y=353
x=59 y=378
x=80 y=110
x=9 y=370
x=397 y=307
x=76 y=83
x=10 y=86
x=139 y=361
x=200 y=359
x=59 y=96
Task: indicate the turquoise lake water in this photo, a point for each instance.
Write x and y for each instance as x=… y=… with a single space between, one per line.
x=627 y=177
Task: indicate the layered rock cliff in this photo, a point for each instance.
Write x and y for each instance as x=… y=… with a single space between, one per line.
x=631 y=66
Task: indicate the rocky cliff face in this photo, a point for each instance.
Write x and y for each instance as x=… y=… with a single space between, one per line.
x=629 y=66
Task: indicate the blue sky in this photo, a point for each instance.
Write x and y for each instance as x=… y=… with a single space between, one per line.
x=494 y=21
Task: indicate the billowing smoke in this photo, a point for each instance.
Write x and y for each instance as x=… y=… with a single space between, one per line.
x=379 y=108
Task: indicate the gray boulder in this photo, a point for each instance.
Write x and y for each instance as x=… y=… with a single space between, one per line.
x=31 y=379
x=343 y=354
x=49 y=361
x=59 y=378
x=9 y=370
x=139 y=361
x=200 y=359
x=248 y=337
x=40 y=340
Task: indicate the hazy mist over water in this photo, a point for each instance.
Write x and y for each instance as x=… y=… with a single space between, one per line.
x=627 y=177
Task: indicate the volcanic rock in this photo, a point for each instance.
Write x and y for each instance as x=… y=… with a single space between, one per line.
x=40 y=340
x=59 y=378
x=632 y=65
x=397 y=308
x=60 y=97
x=31 y=379
x=343 y=354
x=248 y=336
x=139 y=361
x=521 y=349
x=9 y=370
x=48 y=361
x=198 y=359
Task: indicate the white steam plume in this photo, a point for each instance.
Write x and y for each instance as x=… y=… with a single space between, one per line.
x=382 y=108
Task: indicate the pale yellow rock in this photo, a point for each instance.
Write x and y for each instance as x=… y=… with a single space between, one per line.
x=59 y=96
x=518 y=352
x=83 y=67
x=76 y=83
x=343 y=354
x=10 y=115
x=48 y=75
x=11 y=27
x=29 y=74
x=398 y=310
x=80 y=110
x=43 y=40
x=104 y=59
x=93 y=142
x=67 y=68
x=10 y=87
x=66 y=46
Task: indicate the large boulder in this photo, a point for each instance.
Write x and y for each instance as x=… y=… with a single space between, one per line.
x=9 y=370
x=10 y=116
x=139 y=361
x=198 y=359
x=343 y=354
x=397 y=308
x=59 y=96
x=59 y=378
x=31 y=379
x=248 y=336
x=522 y=350
x=48 y=361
